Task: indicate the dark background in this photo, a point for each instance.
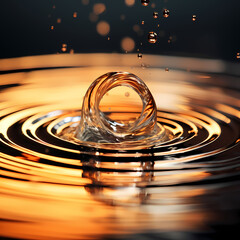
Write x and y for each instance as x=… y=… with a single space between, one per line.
x=25 y=27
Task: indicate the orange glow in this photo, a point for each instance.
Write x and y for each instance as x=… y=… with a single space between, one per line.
x=128 y=44
x=103 y=28
x=99 y=8
x=129 y=2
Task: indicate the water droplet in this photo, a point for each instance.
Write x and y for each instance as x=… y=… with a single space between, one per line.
x=142 y=22
x=127 y=94
x=145 y=2
x=75 y=14
x=152 y=37
x=52 y=27
x=194 y=18
x=140 y=55
x=166 y=13
x=238 y=55
x=64 y=47
x=155 y=14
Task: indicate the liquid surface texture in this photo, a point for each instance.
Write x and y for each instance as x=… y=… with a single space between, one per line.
x=187 y=187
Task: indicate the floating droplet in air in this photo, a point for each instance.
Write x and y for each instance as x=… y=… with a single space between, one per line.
x=155 y=14
x=64 y=47
x=166 y=13
x=140 y=55
x=194 y=18
x=145 y=2
x=152 y=37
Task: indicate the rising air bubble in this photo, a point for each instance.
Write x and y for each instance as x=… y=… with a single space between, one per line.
x=129 y=130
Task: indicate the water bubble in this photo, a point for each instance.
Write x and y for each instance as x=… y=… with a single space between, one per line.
x=152 y=37
x=140 y=55
x=145 y=2
x=165 y=13
x=155 y=14
x=194 y=18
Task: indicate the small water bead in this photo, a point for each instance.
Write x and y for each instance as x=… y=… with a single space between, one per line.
x=145 y=2
x=140 y=55
x=155 y=15
x=152 y=37
x=166 y=13
x=194 y=18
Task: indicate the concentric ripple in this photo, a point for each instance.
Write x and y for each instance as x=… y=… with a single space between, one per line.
x=43 y=168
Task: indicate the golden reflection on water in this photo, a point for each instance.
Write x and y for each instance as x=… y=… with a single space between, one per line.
x=48 y=201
